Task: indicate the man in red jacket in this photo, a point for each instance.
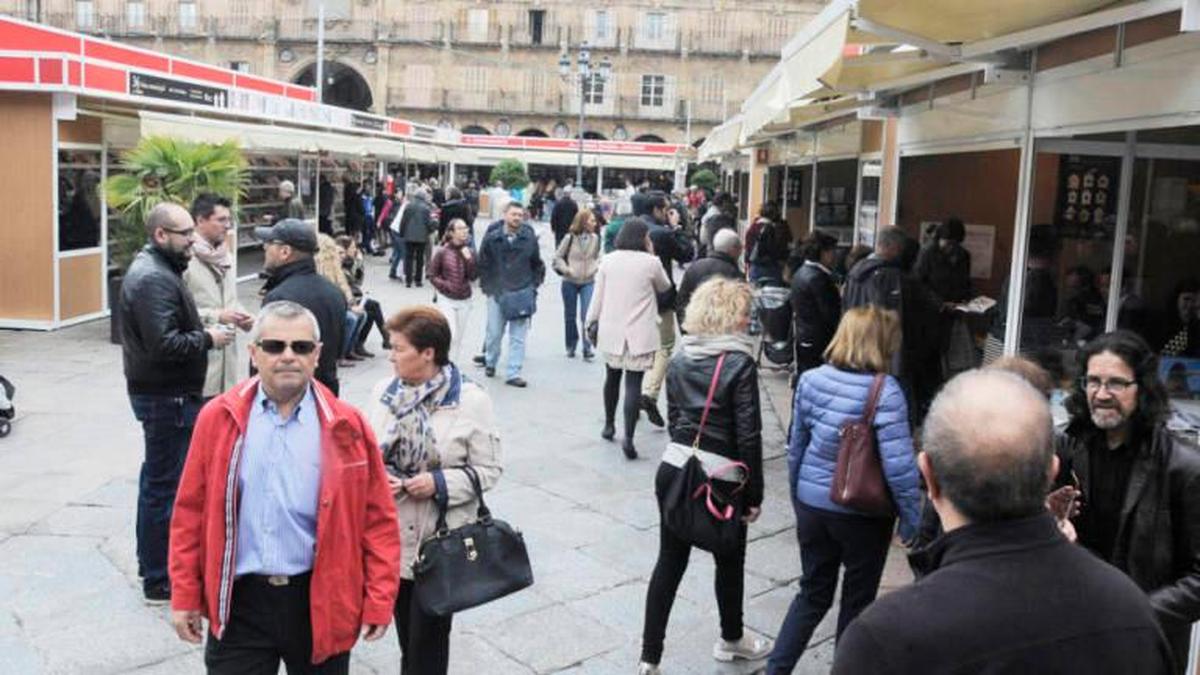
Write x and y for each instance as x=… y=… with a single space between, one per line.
x=284 y=532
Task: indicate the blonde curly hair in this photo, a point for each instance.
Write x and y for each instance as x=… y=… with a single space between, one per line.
x=329 y=264
x=720 y=306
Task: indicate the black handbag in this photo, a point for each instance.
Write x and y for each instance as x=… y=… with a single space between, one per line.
x=470 y=565
x=699 y=506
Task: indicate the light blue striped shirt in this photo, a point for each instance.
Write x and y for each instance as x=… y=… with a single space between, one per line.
x=279 y=482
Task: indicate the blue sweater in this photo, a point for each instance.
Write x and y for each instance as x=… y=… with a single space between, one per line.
x=826 y=398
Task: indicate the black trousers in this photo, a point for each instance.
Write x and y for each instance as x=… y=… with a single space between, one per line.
x=829 y=541
x=414 y=262
x=424 y=639
x=268 y=624
x=633 y=395
x=374 y=318
x=673 y=553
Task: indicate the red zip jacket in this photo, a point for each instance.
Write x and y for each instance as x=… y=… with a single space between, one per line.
x=356 y=571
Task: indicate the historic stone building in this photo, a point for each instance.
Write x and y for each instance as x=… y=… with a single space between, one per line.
x=677 y=68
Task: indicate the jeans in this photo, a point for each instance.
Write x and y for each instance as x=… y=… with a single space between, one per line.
x=167 y=423
x=517 y=330
x=398 y=252
x=666 y=333
x=268 y=624
x=354 y=323
x=424 y=639
x=576 y=294
x=673 y=553
x=368 y=235
x=829 y=541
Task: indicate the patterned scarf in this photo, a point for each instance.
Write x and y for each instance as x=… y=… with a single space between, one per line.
x=407 y=443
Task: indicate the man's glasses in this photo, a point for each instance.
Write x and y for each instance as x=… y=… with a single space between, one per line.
x=299 y=347
x=1115 y=385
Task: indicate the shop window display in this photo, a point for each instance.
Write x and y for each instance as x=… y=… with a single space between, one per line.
x=79 y=200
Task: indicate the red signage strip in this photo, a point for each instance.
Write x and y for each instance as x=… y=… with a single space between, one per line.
x=127 y=57
x=16 y=69
x=199 y=72
x=50 y=71
x=27 y=37
x=104 y=78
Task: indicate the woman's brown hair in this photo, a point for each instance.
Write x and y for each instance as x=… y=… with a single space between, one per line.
x=585 y=214
x=425 y=328
x=865 y=340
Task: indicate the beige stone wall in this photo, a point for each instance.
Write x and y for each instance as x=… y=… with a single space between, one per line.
x=485 y=64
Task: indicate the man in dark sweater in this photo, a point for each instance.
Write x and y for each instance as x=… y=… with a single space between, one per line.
x=1006 y=592
x=165 y=351
x=291 y=274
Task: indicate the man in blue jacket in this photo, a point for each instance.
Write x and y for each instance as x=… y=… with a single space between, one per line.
x=510 y=270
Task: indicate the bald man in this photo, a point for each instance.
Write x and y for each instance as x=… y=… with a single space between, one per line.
x=165 y=349
x=1005 y=591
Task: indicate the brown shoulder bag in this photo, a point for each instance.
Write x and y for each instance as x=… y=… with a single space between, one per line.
x=858 y=482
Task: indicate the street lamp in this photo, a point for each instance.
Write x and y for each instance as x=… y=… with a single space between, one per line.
x=588 y=80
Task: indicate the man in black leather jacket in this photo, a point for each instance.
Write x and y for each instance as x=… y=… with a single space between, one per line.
x=291 y=274
x=1140 y=485
x=720 y=262
x=165 y=352
x=816 y=304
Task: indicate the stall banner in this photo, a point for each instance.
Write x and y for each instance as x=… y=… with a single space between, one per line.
x=170 y=89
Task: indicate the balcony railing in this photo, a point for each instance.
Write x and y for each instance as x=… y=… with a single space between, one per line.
x=336 y=30
x=762 y=42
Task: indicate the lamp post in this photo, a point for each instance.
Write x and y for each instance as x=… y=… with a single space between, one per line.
x=588 y=80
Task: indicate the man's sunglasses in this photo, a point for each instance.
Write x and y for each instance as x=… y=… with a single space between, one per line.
x=299 y=347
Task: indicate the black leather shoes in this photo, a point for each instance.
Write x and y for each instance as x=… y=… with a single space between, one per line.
x=650 y=407
x=516 y=382
x=608 y=432
x=628 y=449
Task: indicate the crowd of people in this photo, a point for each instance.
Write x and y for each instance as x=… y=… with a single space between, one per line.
x=290 y=520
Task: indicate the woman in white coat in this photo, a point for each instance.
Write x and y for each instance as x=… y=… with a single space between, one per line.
x=625 y=309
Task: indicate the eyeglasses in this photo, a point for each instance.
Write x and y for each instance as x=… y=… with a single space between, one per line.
x=276 y=347
x=1115 y=385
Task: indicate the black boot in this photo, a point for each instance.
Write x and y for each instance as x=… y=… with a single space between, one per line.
x=628 y=449
x=609 y=431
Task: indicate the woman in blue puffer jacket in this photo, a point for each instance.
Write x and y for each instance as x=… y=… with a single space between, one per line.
x=833 y=536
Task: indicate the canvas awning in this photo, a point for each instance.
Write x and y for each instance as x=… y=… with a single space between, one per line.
x=722 y=140
x=260 y=137
x=853 y=46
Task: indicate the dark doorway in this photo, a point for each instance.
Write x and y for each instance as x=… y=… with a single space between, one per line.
x=649 y=138
x=476 y=129
x=537 y=24
x=593 y=136
x=344 y=87
x=533 y=133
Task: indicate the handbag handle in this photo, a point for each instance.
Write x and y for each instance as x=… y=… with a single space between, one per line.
x=873 y=399
x=712 y=391
x=482 y=513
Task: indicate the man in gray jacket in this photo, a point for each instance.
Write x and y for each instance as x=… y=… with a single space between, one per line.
x=211 y=279
x=415 y=226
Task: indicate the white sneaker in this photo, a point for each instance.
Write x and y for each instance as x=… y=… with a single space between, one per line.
x=648 y=669
x=749 y=648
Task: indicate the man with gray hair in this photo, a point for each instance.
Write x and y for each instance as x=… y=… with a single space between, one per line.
x=720 y=262
x=1005 y=591
x=165 y=348
x=284 y=534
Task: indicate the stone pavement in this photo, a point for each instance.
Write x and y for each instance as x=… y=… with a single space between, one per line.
x=70 y=601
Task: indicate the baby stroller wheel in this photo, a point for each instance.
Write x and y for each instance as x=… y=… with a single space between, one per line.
x=5 y=427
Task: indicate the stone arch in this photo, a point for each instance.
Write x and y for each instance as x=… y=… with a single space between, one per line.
x=649 y=138
x=593 y=136
x=345 y=85
x=533 y=132
x=476 y=129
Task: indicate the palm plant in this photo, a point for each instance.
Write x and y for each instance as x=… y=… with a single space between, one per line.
x=164 y=169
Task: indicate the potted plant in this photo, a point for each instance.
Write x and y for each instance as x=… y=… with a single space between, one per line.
x=163 y=169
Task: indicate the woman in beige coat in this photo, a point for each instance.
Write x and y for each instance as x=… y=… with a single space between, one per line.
x=625 y=308
x=576 y=261
x=430 y=422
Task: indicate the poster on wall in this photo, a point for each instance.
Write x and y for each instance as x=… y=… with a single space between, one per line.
x=980 y=242
x=1087 y=196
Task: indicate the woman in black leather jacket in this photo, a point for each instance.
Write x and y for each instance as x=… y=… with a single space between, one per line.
x=717 y=319
x=816 y=303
